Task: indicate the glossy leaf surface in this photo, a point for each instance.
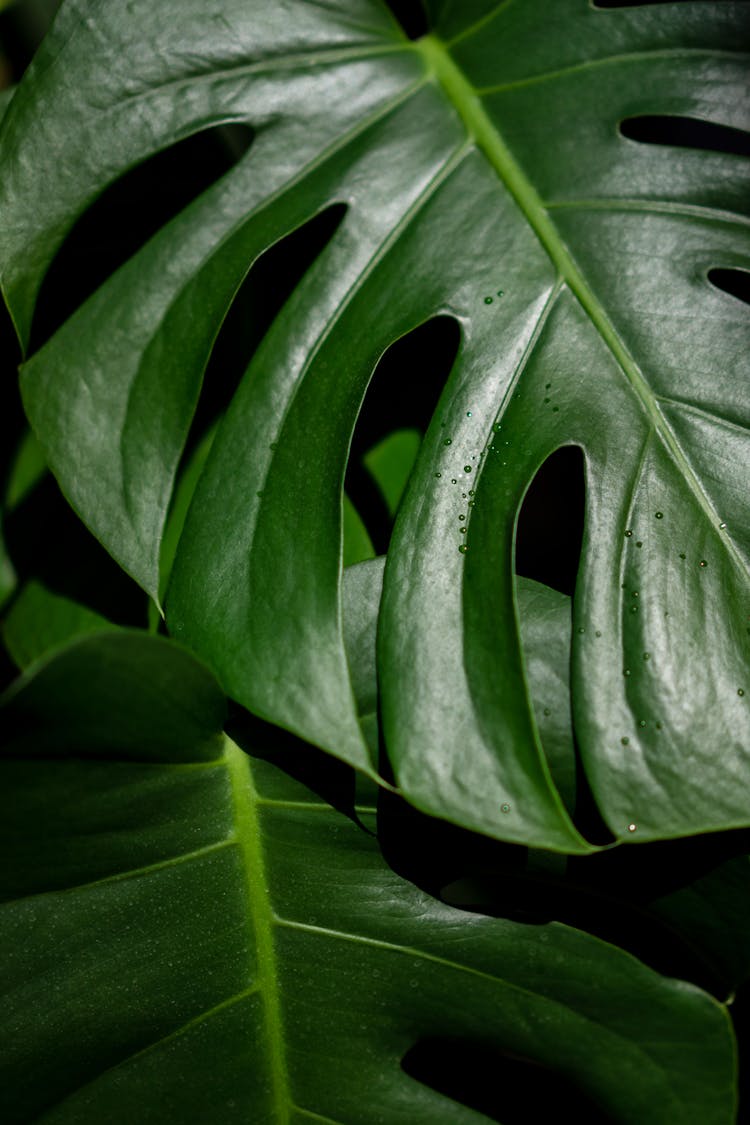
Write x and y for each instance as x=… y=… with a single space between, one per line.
x=236 y=948
x=485 y=178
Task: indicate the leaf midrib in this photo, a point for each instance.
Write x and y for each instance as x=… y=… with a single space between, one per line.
x=484 y=133
x=249 y=838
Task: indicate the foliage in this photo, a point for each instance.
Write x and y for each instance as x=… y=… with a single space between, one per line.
x=236 y=922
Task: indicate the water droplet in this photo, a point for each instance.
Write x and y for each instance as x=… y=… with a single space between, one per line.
x=438 y=475
x=505 y=808
x=467 y=468
x=472 y=503
x=628 y=533
x=463 y=495
x=626 y=672
x=501 y=292
x=448 y=441
x=597 y=633
x=463 y=548
x=659 y=515
x=453 y=480
x=632 y=827
x=740 y=691
x=488 y=300
x=462 y=517
x=703 y=563
x=682 y=554
x=547 y=711
x=463 y=530
x=635 y=593
x=647 y=656
x=468 y=414
x=634 y=609
x=641 y=722
x=471 y=492
x=497 y=427
x=722 y=526
x=639 y=543
x=581 y=629
x=625 y=741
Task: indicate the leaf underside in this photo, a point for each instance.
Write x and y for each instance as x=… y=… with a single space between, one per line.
x=484 y=178
x=235 y=949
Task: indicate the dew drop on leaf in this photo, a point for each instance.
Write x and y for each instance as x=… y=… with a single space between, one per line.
x=632 y=827
x=626 y=672
x=467 y=468
x=462 y=517
x=448 y=441
x=463 y=548
x=722 y=526
x=659 y=515
x=468 y=414
x=740 y=691
x=628 y=533
x=505 y=808
x=647 y=656
x=625 y=741
x=488 y=300
x=703 y=563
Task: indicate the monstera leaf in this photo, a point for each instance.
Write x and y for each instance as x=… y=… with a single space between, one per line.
x=482 y=175
x=234 y=948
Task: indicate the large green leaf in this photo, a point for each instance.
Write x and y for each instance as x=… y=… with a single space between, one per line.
x=484 y=177
x=233 y=948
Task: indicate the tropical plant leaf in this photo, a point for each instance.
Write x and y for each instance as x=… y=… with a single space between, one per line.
x=233 y=947
x=484 y=177
x=39 y=621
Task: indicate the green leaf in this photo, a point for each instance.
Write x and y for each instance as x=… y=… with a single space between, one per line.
x=485 y=178
x=27 y=469
x=357 y=545
x=39 y=621
x=234 y=948
x=390 y=463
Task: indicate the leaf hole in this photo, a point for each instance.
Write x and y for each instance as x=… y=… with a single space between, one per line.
x=411 y=15
x=402 y=395
x=685 y=132
x=127 y=214
x=266 y=288
x=732 y=281
x=549 y=529
x=269 y=283
x=504 y=1086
